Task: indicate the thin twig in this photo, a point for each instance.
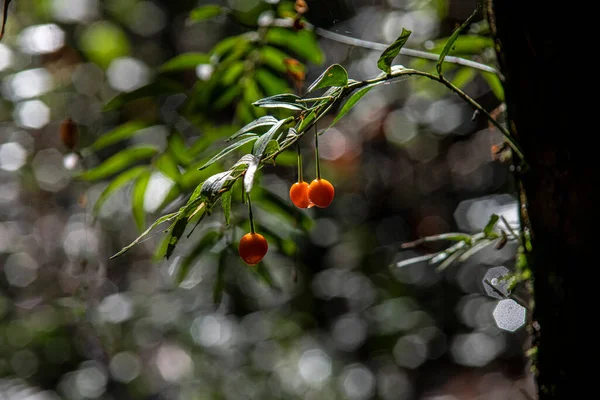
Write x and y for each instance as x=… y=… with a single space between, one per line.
x=405 y=51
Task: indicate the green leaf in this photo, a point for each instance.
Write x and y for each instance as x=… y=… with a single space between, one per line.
x=463 y=76
x=352 y=100
x=495 y=84
x=115 y=184
x=154 y=89
x=228 y=44
x=414 y=260
x=464 y=45
x=206 y=241
x=178 y=149
x=453 y=38
x=232 y=73
x=286 y=100
x=272 y=147
x=489 y=227
x=119 y=161
x=335 y=75
x=261 y=144
x=176 y=233
x=271 y=83
x=205 y=12
x=303 y=43
x=250 y=172
x=159 y=221
x=168 y=166
x=227 y=97
x=138 y=195
x=307 y=119
x=122 y=132
x=229 y=149
x=184 y=62
x=385 y=60
x=267 y=120
x=4 y=17
x=273 y=58
x=213 y=185
x=226 y=206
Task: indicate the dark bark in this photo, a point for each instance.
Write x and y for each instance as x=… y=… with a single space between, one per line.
x=541 y=106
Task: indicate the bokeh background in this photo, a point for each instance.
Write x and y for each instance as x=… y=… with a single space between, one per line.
x=344 y=323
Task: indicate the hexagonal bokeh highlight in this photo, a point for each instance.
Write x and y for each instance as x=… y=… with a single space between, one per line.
x=494 y=277
x=509 y=315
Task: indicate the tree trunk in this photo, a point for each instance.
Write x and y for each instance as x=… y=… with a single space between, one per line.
x=541 y=109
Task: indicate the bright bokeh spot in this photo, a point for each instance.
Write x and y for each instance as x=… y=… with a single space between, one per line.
x=156 y=192
x=314 y=367
x=27 y=84
x=12 y=156
x=75 y=10
x=41 y=39
x=147 y=11
x=126 y=74
x=509 y=315
x=6 y=57
x=32 y=114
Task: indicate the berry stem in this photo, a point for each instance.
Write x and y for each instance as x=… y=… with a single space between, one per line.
x=300 y=174
x=250 y=216
x=317 y=163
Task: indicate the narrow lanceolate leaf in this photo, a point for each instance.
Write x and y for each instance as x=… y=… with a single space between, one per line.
x=263 y=273
x=167 y=165
x=453 y=37
x=159 y=221
x=154 y=89
x=303 y=43
x=414 y=260
x=226 y=206
x=250 y=172
x=213 y=185
x=115 y=184
x=287 y=100
x=179 y=149
x=242 y=163
x=261 y=144
x=385 y=60
x=267 y=120
x=352 y=100
x=122 y=132
x=335 y=75
x=203 y=244
x=184 y=62
x=229 y=149
x=175 y=234
x=119 y=162
x=495 y=84
x=205 y=12
x=489 y=227
x=138 y=195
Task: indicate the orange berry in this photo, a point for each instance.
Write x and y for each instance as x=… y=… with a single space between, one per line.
x=253 y=248
x=299 y=194
x=321 y=192
x=68 y=133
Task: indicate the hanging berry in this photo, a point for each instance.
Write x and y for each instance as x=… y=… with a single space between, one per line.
x=320 y=191
x=299 y=190
x=253 y=246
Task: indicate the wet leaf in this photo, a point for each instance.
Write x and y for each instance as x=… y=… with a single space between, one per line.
x=261 y=144
x=287 y=100
x=249 y=175
x=267 y=120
